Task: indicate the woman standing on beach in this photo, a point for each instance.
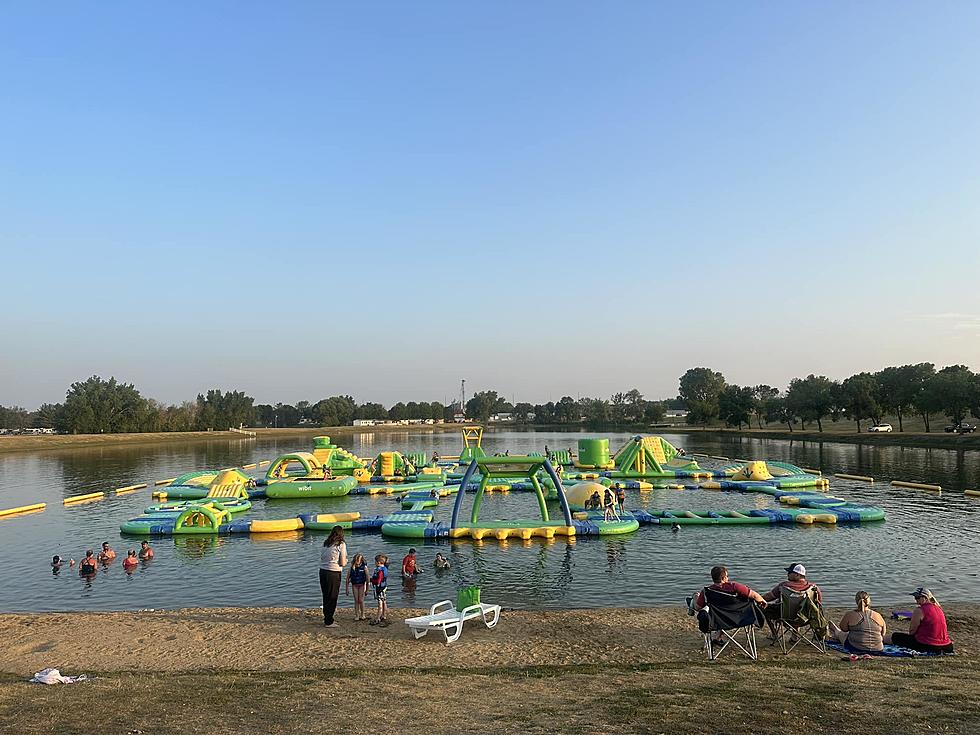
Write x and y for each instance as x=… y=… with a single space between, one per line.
x=333 y=559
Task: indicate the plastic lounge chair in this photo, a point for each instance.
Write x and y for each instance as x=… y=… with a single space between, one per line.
x=729 y=616
x=800 y=621
x=445 y=617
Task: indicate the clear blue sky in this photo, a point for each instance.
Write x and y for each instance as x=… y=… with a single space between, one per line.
x=304 y=199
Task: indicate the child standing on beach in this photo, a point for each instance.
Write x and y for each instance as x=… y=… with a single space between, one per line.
x=379 y=580
x=357 y=577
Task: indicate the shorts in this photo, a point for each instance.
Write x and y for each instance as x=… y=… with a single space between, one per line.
x=381 y=594
x=907 y=641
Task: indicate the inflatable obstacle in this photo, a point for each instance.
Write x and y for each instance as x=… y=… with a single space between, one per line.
x=652 y=457
x=301 y=475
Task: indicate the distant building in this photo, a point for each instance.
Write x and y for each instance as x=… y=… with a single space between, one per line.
x=676 y=413
x=501 y=417
x=365 y=422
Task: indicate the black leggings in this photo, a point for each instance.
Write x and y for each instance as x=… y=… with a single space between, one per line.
x=907 y=641
x=330 y=587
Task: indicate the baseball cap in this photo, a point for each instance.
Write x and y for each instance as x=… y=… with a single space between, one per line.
x=796 y=569
x=923 y=592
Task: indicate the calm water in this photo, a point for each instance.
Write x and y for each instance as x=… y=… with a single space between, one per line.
x=926 y=539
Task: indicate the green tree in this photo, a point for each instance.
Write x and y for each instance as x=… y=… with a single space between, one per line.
x=955 y=390
x=220 y=410
x=48 y=415
x=373 y=411
x=735 y=405
x=653 y=412
x=700 y=388
x=762 y=394
x=860 y=399
x=97 y=406
x=596 y=411
x=812 y=398
x=522 y=412
x=483 y=404
x=15 y=417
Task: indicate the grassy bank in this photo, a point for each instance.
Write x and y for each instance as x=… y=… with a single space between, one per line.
x=895 y=439
x=584 y=671
x=83 y=441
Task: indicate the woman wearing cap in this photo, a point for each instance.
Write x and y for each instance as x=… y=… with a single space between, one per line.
x=861 y=629
x=927 y=629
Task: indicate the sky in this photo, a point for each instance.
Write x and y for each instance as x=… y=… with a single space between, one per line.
x=304 y=199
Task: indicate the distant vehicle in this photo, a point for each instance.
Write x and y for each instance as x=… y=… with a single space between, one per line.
x=961 y=428
x=881 y=428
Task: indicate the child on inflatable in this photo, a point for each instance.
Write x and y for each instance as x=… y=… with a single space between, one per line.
x=379 y=580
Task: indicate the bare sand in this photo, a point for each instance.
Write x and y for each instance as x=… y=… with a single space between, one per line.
x=288 y=639
x=582 y=672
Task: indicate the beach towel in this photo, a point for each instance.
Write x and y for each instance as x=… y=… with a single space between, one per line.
x=890 y=651
x=53 y=676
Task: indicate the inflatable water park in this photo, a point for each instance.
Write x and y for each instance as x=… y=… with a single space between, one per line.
x=442 y=497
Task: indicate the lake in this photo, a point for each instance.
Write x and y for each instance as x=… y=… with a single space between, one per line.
x=927 y=539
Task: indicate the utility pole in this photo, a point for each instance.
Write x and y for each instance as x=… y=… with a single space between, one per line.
x=462 y=397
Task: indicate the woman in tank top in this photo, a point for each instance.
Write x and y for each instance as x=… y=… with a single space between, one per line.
x=927 y=628
x=861 y=629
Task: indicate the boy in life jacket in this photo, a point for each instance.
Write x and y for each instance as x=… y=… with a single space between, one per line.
x=379 y=581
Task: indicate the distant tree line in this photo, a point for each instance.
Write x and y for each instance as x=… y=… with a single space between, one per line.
x=97 y=405
x=901 y=392
x=621 y=409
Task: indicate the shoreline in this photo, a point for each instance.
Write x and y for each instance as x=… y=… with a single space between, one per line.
x=918 y=440
x=46 y=442
x=293 y=639
x=912 y=440
x=613 y=670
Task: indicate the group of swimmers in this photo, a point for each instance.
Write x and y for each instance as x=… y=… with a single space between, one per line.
x=88 y=565
x=861 y=630
x=333 y=560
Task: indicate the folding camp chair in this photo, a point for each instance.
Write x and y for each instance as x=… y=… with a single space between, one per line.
x=729 y=615
x=800 y=620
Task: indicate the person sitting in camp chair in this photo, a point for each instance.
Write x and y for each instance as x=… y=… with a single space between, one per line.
x=724 y=609
x=798 y=616
x=795 y=581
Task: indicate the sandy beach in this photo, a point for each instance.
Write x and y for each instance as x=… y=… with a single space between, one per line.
x=612 y=670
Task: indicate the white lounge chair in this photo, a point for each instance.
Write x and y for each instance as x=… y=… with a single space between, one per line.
x=445 y=617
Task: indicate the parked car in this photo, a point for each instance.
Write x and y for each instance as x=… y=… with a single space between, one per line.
x=961 y=428
x=881 y=427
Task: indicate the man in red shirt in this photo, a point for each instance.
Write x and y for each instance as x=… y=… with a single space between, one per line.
x=720 y=581
x=410 y=567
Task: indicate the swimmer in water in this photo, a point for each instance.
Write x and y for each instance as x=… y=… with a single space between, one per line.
x=87 y=565
x=107 y=554
x=57 y=562
x=146 y=551
x=675 y=527
x=130 y=562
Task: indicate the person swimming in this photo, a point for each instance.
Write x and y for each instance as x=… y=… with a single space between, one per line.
x=57 y=562
x=131 y=561
x=107 y=554
x=88 y=565
x=440 y=562
x=146 y=551
x=675 y=527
